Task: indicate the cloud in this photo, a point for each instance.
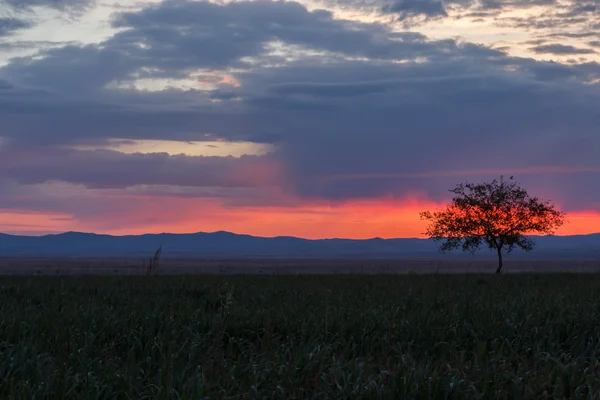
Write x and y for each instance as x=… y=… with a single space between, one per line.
x=10 y=25
x=111 y=169
x=497 y=4
x=438 y=8
x=577 y=9
x=387 y=111
x=138 y=211
x=67 y=5
x=172 y=39
x=435 y=118
x=175 y=37
x=574 y=34
x=409 y=8
x=560 y=49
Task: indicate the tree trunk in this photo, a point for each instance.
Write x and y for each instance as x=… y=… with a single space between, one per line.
x=500 y=265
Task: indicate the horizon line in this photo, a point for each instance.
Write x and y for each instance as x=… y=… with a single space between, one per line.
x=255 y=236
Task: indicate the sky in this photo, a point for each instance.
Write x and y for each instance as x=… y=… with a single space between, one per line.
x=311 y=118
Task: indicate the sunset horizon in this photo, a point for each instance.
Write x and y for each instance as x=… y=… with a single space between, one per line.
x=308 y=118
x=163 y=161
x=576 y=224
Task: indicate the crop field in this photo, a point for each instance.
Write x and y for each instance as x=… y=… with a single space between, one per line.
x=301 y=337
x=292 y=266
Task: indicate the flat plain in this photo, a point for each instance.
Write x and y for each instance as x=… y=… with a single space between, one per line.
x=522 y=336
x=277 y=266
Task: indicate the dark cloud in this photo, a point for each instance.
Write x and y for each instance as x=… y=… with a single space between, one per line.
x=409 y=8
x=75 y=77
x=535 y=42
x=70 y=5
x=577 y=9
x=498 y=4
x=542 y=23
x=334 y=132
x=557 y=16
x=438 y=8
x=575 y=34
x=10 y=25
x=175 y=37
x=374 y=113
x=243 y=28
x=111 y=169
x=560 y=49
x=403 y=8
x=480 y=15
x=459 y=124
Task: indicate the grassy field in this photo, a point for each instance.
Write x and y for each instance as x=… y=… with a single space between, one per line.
x=422 y=337
x=273 y=266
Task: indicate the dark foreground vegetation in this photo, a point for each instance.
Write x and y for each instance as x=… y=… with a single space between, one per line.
x=424 y=337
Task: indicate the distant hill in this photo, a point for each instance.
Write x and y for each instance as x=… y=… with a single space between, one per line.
x=230 y=245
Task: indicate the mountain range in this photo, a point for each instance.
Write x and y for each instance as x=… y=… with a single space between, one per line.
x=230 y=245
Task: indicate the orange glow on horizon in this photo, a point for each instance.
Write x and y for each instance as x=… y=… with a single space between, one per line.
x=385 y=218
x=580 y=223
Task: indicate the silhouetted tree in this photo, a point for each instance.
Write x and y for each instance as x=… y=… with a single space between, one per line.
x=499 y=214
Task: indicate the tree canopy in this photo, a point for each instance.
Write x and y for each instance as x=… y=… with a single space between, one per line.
x=499 y=214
